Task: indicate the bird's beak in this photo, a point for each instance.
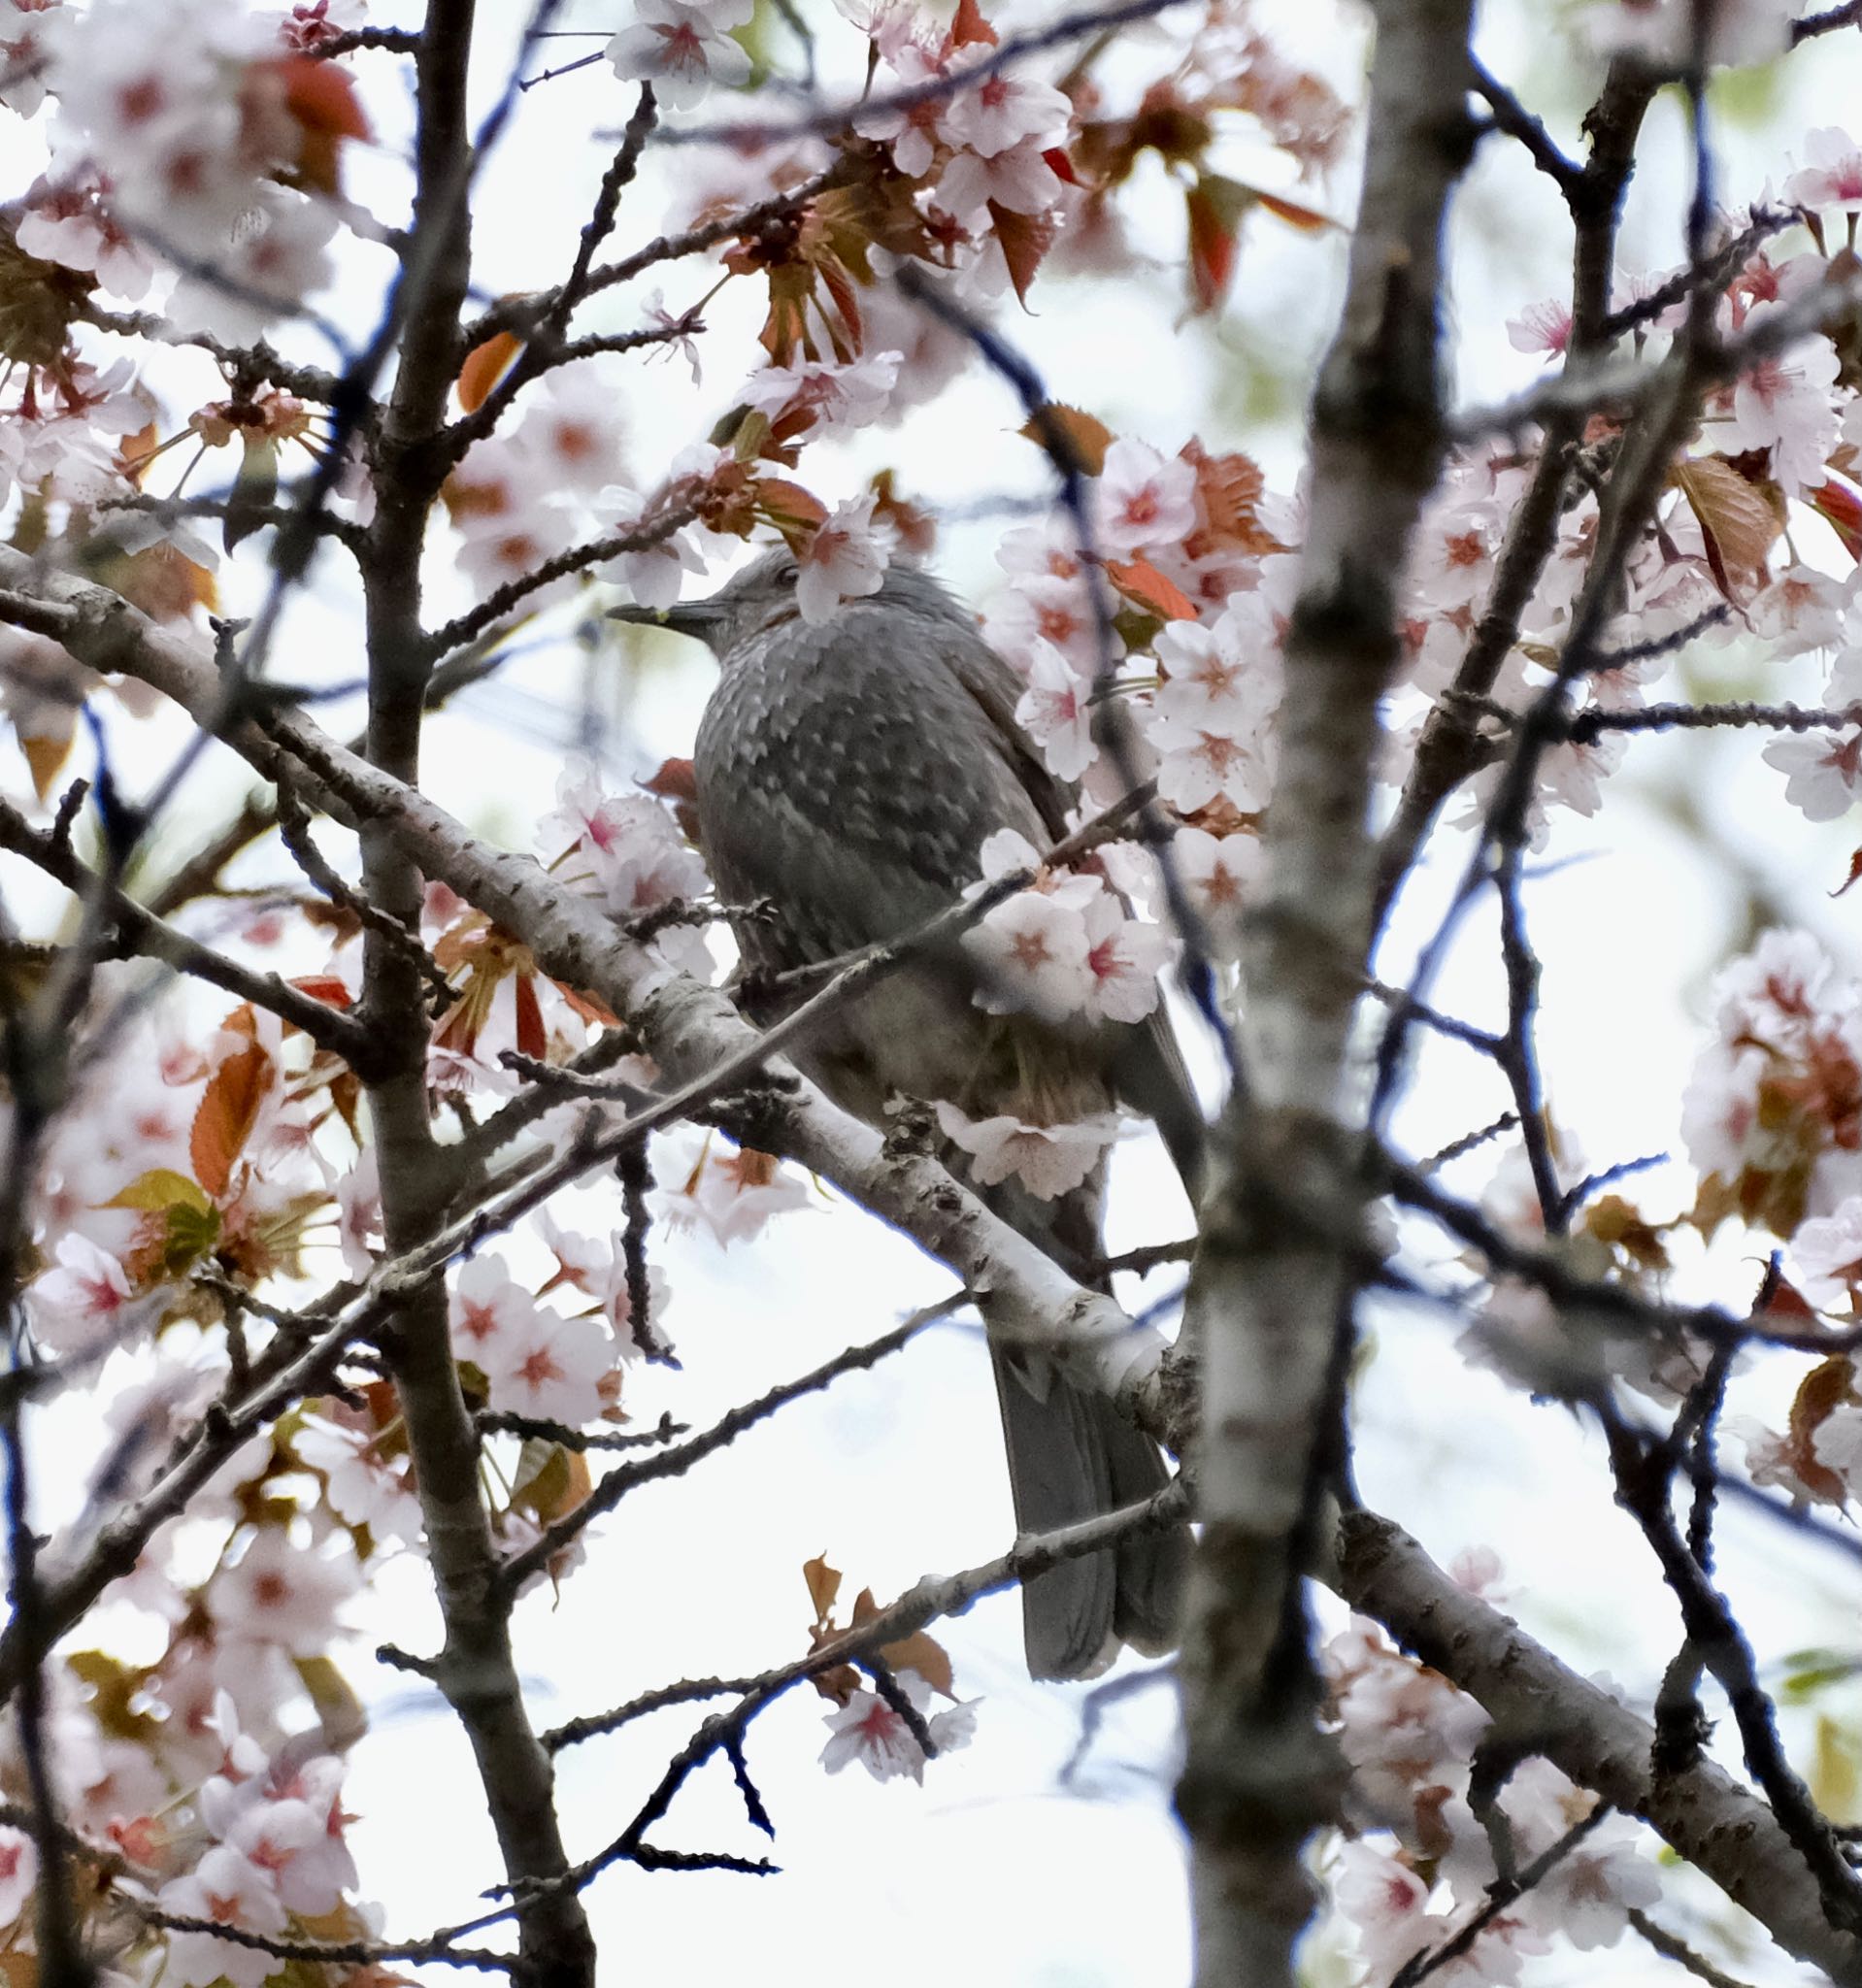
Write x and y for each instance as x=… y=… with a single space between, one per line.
x=697 y=618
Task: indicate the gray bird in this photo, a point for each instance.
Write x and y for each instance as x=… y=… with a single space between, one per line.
x=847 y=775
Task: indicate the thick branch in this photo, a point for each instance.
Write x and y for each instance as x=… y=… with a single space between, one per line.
x=1719 y=1827
x=1271 y=1303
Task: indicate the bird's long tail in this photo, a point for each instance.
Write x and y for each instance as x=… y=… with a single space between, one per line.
x=1071 y=1456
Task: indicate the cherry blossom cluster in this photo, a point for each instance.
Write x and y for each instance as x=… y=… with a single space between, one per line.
x=1409 y=1738
x=200 y=133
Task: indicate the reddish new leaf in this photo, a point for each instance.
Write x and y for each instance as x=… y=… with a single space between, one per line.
x=1025 y=239
x=533 y=1039
x=1855 y=870
x=1840 y=509
x=224 y=1118
x=970 y=28
x=1140 y=583
x=1215 y=236
x=1739 y=520
x=484 y=366
x=1083 y=435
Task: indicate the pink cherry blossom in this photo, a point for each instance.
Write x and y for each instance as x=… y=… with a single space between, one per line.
x=866 y=1729
x=1141 y=499
x=1049 y=1160
x=1540 y=328
x=840 y=397
x=1837 y=1443
x=1220 y=874
x=729 y=1193
x=1030 y=952
x=1784 y=402
x=1019 y=178
x=1823 y=771
x=486 y=1309
x=1124 y=957
x=1800 y=608
x=653 y=574
x=67 y=221
x=1046 y=608
x=1832 y=173
x=361 y=1486
x=277 y=1593
x=1225 y=753
x=549 y=1366
x=913 y=128
x=1056 y=712
x=231 y=1890
x=682 y=49
x=84 y=1302
x=359 y=1214
x=626 y=844
x=1826 y=1252
x=1002 y=111
x=19 y=1872
x=844 y=560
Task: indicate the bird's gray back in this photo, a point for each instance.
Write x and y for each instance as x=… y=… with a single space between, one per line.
x=849 y=773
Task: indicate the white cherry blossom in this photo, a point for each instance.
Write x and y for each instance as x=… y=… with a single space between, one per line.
x=682 y=49
x=1056 y=712
x=844 y=560
x=1030 y=952
x=866 y=1729
x=1141 y=498
x=1049 y=1160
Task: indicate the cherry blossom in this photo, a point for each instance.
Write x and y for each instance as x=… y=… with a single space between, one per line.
x=1823 y=771
x=1837 y=1444
x=1225 y=753
x=1220 y=873
x=549 y=1365
x=866 y=1729
x=1800 y=608
x=231 y=1890
x=1540 y=328
x=486 y=1307
x=1831 y=175
x=1124 y=957
x=68 y=222
x=729 y=1192
x=23 y=55
x=682 y=49
x=1019 y=178
x=1142 y=499
x=1590 y=1891
x=1231 y=669
x=632 y=848
x=1046 y=608
x=84 y=1304
x=840 y=397
x=844 y=559
x=1056 y=712
x=283 y=1593
x=1387 y=1902
x=1049 y=1160
x=1003 y=111
x=653 y=574
x=1827 y=1254
x=912 y=130
x=1782 y=403
x=19 y=1872
x=363 y=1487
x=1030 y=952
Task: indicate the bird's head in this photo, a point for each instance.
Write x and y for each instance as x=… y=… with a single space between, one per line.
x=764 y=592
